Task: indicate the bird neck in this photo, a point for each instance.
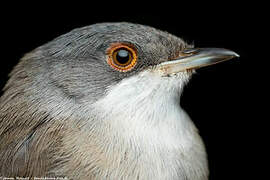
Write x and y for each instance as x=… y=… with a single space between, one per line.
x=140 y=123
x=146 y=106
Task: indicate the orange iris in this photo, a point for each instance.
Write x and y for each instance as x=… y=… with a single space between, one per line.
x=122 y=57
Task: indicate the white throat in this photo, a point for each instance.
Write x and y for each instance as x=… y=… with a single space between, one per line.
x=147 y=106
x=143 y=112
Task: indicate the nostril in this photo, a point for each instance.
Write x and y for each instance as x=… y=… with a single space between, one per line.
x=187 y=53
x=190 y=51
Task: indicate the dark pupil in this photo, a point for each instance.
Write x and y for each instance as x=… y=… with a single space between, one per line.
x=122 y=56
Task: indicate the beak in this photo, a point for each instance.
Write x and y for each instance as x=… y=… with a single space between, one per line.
x=196 y=58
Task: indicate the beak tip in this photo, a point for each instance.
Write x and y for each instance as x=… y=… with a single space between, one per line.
x=236 y=55
x=227 y=52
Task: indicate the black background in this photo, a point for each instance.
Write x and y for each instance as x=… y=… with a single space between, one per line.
x=216 y=96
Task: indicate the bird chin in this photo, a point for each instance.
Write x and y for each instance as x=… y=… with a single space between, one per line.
x=163 y=73
x=166 y=73
x=188 y=72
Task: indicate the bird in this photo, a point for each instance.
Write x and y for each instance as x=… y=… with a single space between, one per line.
x=102 y=102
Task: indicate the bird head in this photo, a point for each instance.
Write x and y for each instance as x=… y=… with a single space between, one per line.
x=86 y=63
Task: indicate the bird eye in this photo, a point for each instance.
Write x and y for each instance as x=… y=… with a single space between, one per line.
x=122 y=57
